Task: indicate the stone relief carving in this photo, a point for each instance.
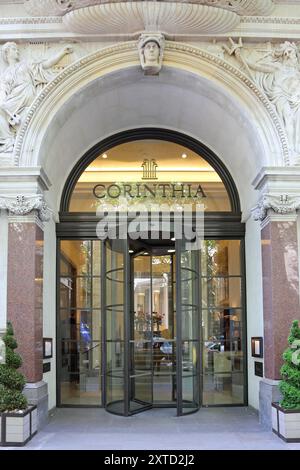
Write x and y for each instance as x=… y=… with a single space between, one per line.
x=23 y=205
x=243 y=7
x=20 y=83
x=48 y=7
x=151 y=51
x=279 y=204
x=277 y=73
x=208 y=52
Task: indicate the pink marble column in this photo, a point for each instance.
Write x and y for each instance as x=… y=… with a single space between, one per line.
x=280 y=290
x=25 y=294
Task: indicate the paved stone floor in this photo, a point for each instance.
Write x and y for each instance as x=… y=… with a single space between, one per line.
x=210 y=428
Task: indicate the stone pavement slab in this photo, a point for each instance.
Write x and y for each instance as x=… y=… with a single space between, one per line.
x=210 y=428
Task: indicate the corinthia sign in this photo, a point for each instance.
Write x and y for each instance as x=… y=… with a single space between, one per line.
x=149 y=190
x=154 y=190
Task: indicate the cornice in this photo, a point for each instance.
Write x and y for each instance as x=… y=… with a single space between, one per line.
x=31 y=20
x=56 y=28
x=278 y=20
x=274 y=175
x=16 y=176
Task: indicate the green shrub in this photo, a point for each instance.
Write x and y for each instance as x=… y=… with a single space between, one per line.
x=11 y=381
x=290 y=372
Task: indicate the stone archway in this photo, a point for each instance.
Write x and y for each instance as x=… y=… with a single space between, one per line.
x=196 y=93
x=106 y=92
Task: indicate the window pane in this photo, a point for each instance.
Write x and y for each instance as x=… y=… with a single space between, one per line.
x=221 y=292
x=221 y=324
x=221 y=258
x=80 y=325
x=80 y=373
x=96 y=258
x=119 y=178
x=96 y=297
x=223 y=377
x=76 y=292
x=77 y=255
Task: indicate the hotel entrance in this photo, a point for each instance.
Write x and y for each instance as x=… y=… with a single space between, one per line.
x=152 y=326
x=145 y=322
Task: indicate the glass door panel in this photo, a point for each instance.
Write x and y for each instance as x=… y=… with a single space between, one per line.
x=140 y=367
x=223 y=332
x=115 y=298
x=163 y=320
x=188 y=328
x=79 y=323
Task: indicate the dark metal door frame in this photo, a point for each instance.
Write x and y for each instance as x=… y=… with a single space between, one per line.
x=79 y=234
x=196 y=300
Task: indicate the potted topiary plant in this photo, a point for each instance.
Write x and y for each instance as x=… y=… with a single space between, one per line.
x=286 y=414
x=18 y=420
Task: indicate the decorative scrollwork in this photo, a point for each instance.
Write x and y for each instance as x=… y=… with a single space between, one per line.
x=279 y=204
x=23 y=205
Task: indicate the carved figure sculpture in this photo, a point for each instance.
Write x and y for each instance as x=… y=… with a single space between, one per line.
x=278 y=75
x=19 y=85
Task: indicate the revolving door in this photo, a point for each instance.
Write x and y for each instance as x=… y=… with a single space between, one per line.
x=151 y=304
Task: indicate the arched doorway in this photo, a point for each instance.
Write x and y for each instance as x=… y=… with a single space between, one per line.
x=134 y=331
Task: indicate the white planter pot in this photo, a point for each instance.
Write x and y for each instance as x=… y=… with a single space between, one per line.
x=18 y=428
x=286 y=423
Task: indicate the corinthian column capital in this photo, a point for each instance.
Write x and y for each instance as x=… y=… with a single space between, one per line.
x=281 y=204
x=23 y=205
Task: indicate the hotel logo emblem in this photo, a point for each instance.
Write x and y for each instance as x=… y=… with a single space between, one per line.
x=149 y=169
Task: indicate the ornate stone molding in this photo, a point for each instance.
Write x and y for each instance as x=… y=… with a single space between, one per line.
x=166 y=17
x=36 y=20
x=279 y=204
x=61 y=7
x=276 y=20
x=31 y=20
x=247 y=20
x=106 y=56
x=24 y=205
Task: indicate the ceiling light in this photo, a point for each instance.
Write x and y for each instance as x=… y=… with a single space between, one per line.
x=173 y=239
x=184 y=155
x=171 y=251
x=104 y=155
x=131 y=251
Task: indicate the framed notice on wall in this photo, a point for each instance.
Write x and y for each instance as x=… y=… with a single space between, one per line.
x=47 y=348
x=257 y=347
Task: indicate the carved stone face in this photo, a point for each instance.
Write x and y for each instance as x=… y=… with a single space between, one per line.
x=13 y=53
x=151 y=52
x=290 y=56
